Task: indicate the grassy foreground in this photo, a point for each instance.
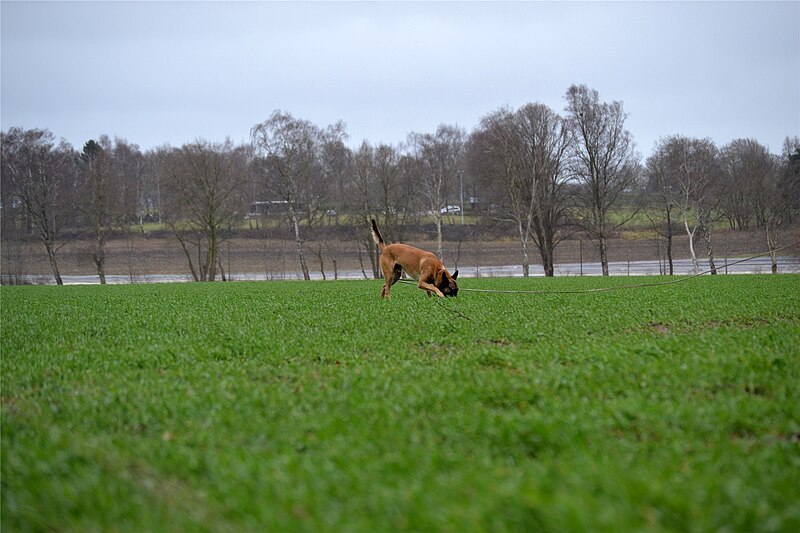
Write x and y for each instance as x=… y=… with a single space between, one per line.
x=316 y=407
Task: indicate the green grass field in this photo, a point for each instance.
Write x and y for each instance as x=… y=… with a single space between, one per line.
x=314 y=406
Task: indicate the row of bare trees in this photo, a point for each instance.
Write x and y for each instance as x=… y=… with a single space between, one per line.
x=556 y=170
x=299 y=163
x=692 y=180
x=47 y=188
x=544 y=172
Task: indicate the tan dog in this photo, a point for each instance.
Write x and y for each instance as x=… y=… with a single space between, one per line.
x=423 y=266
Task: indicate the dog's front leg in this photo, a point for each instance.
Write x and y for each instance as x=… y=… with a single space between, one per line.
x=430 y=288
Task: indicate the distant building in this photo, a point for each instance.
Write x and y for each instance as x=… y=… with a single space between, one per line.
x=267 y=208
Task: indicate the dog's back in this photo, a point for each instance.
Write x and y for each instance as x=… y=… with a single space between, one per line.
x=399 y=253
x=414 y=260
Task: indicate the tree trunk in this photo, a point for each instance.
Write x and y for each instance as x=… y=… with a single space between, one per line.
x=213 y=254
x=361 y=261
x=547 y=261
x=526 y=267
x=48 y=239
x=599 y=229
x=709 y=248
x=99 y=261
x=438 y=220
x=99 y=256
x=51 y=255
x=550 y=247
x=523 y=239
x=186 y=252
x=772 y=245
x=695 y=265
x=299 y=242
x=603 y=253
x=221 y=270
x=547 y=251
x=669 y=254
x=669 y=242
x=321 y=261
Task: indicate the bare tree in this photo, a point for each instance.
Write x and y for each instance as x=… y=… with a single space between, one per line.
x=746 y=165
x=337 y=161
x=526 y=151
x=778 y=201
x=439 y=157
x=332 y=160
x=150 y=207
x=289 y=152
x=493 y=156
x=38 y=171
x=604 y=160
x=365 y=198
x=393 y=195
x=136 y=183
x=660 y=196
x=14 y=226
x=408 y=204
x=692 y=175
x=100 y=197
x=203 y=185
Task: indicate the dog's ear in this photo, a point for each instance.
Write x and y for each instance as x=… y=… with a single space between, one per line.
x=455 y=274
x=439 y=277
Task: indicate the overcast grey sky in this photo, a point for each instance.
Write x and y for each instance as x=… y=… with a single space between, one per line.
x=173 y=72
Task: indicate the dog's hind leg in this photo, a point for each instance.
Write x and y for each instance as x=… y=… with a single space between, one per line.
x=391 y=279
x=398 y=271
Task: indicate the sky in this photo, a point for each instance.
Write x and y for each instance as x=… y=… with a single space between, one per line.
x=158 y=73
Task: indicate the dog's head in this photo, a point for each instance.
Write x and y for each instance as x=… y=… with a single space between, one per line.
x=447 y=283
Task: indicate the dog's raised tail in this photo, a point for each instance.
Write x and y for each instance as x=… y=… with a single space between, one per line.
x=376 y=235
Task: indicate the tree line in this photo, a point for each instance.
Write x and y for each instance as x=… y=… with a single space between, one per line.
x=546 y=173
